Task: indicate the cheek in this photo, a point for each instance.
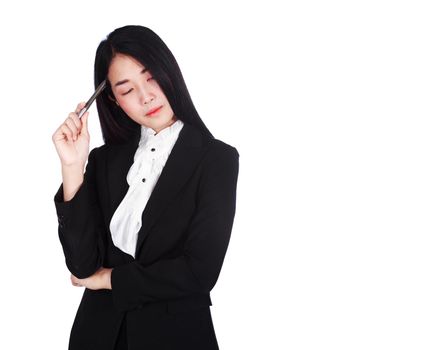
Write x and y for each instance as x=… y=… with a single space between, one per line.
x=127 y=105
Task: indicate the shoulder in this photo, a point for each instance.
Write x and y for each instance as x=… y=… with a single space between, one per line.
x=218 y=148
x=213 y=148
x=102 y=151
x=221 y=160
x=97 y=152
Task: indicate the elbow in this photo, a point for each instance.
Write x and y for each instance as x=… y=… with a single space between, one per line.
x=206 y=275
x=85 y=267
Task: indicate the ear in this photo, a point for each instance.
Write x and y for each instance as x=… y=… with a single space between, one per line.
x=112 y=99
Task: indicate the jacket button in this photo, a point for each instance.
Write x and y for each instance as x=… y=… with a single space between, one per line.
x=153 y=149
x=144 y=180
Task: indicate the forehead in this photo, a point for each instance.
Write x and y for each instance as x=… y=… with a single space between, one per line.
x=123 y=66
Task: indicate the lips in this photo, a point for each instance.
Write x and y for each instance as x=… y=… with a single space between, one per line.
x=153 y=110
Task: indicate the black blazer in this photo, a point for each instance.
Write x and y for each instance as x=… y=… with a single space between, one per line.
x=164 y=293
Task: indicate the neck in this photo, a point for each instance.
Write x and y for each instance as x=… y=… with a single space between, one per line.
x=173 y=120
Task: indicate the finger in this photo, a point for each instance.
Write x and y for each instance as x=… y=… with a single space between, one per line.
x=71 y=125
x=67 y=132
x=73 y=281
x=61 y=134
x=75 y=119
x=80 y=107
x=84 y=123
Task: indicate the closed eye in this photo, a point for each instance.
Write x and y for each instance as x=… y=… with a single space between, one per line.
x=132 y=89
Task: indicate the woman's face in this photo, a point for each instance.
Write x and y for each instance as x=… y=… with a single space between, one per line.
x=138 y=93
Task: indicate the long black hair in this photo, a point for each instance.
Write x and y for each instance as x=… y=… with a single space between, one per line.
x=148 y=48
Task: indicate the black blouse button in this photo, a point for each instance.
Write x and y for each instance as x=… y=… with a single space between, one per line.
x=152 y=149
x=144 y=180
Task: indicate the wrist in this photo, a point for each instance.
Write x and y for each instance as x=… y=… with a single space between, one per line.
x=108 y=281
x=73 y=177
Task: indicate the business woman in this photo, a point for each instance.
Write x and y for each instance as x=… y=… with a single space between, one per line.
x=146 y=226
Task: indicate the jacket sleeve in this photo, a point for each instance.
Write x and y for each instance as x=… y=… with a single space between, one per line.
x=197 y=269
x=79 y=225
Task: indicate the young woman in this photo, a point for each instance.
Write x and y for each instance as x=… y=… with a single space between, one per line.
x=145 y=229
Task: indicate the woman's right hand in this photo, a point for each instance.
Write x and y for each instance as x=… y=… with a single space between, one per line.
x=72 y=138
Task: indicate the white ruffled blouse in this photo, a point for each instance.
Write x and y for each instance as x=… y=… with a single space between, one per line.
x=149 y=160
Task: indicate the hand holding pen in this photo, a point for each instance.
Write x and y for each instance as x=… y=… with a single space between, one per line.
x=71 y=139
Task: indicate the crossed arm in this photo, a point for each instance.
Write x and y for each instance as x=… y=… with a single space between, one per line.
x=101 y=279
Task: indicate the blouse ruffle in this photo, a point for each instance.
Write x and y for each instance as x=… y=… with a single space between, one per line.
x=149 y=160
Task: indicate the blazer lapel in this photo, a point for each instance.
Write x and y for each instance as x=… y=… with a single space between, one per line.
x=184 y=157
x=181 y=163
x=119 y=161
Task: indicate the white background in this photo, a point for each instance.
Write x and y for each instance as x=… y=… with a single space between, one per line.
x=335 y=109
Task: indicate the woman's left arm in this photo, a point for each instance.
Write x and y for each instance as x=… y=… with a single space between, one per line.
x=197 y=269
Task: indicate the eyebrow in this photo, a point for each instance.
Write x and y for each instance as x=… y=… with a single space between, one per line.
x=121 y=82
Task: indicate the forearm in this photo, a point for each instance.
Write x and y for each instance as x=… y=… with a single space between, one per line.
x=101 y=279
x=73 y=177
x=134 y=284
x=80 y=219
x=80 y=231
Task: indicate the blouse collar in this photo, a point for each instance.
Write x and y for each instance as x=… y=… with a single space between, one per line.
x=148 y=134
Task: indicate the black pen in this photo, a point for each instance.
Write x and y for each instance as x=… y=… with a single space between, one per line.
x=100 y=88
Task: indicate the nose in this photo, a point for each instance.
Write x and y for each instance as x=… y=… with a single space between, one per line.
x=146 y=96
x=147 y=99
